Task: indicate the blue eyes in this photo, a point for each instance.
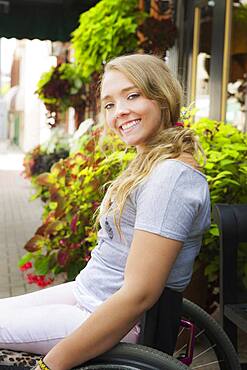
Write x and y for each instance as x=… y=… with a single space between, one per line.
x=129 y=97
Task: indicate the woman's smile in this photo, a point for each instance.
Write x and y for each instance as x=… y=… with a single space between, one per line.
x=129 y=126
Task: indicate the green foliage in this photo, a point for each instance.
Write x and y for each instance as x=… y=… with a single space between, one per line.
x=240 y=15
x=74 y=189
x=61 y=87
x=73 y=192
x=226 y=169
x=105 y=31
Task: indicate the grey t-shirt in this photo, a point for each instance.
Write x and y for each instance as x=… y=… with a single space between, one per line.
x=172 y=202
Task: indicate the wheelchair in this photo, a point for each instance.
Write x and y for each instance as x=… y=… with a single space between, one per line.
x=175 y=334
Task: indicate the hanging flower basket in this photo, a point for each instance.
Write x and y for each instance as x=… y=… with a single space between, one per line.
x=157 y=36
x=60 y=88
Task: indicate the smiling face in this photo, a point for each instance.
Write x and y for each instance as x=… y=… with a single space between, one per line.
x=128 y=112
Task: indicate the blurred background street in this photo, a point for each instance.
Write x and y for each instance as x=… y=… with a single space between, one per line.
x=18 y=220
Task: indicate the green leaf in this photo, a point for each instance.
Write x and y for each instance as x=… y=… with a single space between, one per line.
x=26 y=258
x=214 y=231
x=91 y=42
x=53 y=205
x=35 y=243
x=54 y=227
x=41 y=265
x=45 y=179
x=74 y=269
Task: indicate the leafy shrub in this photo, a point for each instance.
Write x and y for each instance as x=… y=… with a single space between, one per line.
x=62 y=244
x=106 y=30
x=45 y=162
x=64 y=241
x=226 y=169
x=62 y=87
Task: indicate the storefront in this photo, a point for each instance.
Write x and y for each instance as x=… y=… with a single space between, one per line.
x=212 y=57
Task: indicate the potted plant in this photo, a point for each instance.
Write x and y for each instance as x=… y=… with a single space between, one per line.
x=60 y=88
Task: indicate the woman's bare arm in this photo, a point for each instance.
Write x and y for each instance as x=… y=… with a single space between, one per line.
x=149 y=263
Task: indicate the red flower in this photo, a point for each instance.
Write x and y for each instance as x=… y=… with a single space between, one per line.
x=39 y=280
x=31 y=278
x=26 y=266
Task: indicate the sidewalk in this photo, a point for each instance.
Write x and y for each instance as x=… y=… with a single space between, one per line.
x=19 y=218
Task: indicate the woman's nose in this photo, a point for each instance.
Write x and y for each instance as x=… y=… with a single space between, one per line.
x=121 y=109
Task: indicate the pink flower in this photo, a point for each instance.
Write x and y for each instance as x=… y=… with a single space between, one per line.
x=179 y=124
x=63 y=242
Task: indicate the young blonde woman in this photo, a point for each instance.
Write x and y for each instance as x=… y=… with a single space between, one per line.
x=152 y=220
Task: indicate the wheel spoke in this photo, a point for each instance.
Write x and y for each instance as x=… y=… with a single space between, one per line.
x=203 y=352
x=207 y=364
x=181 y=348
x=181 y=331
x=200 y=333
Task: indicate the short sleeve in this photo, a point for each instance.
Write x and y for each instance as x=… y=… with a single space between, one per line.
x=168 y=202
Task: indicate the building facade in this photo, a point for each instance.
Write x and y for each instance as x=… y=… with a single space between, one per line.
x=210 y=57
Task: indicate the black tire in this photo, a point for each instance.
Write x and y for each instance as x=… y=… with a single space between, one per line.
x=127 y=356
x=209 y=333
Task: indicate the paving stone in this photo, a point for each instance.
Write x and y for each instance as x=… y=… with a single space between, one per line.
x=3 y=278
x=18 y=290
x=19 y=218
x=4 y=294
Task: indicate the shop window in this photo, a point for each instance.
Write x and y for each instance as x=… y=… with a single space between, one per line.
x=236 y=107
x=200 y=78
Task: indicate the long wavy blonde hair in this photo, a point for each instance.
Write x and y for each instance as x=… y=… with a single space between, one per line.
x=155 y=81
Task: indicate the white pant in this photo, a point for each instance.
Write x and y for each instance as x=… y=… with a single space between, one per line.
x=35 y=322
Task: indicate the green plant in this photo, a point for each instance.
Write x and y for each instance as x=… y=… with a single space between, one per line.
x=105 y=31
x=226 y=170
x=62 y=244
x=73 y=187
x=62 y=87
x=240 y=15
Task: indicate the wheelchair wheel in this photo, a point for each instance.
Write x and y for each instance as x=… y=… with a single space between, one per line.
x=213 y=349
x=127 y=356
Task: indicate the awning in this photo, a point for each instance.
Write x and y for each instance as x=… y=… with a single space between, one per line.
x=42 y=19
